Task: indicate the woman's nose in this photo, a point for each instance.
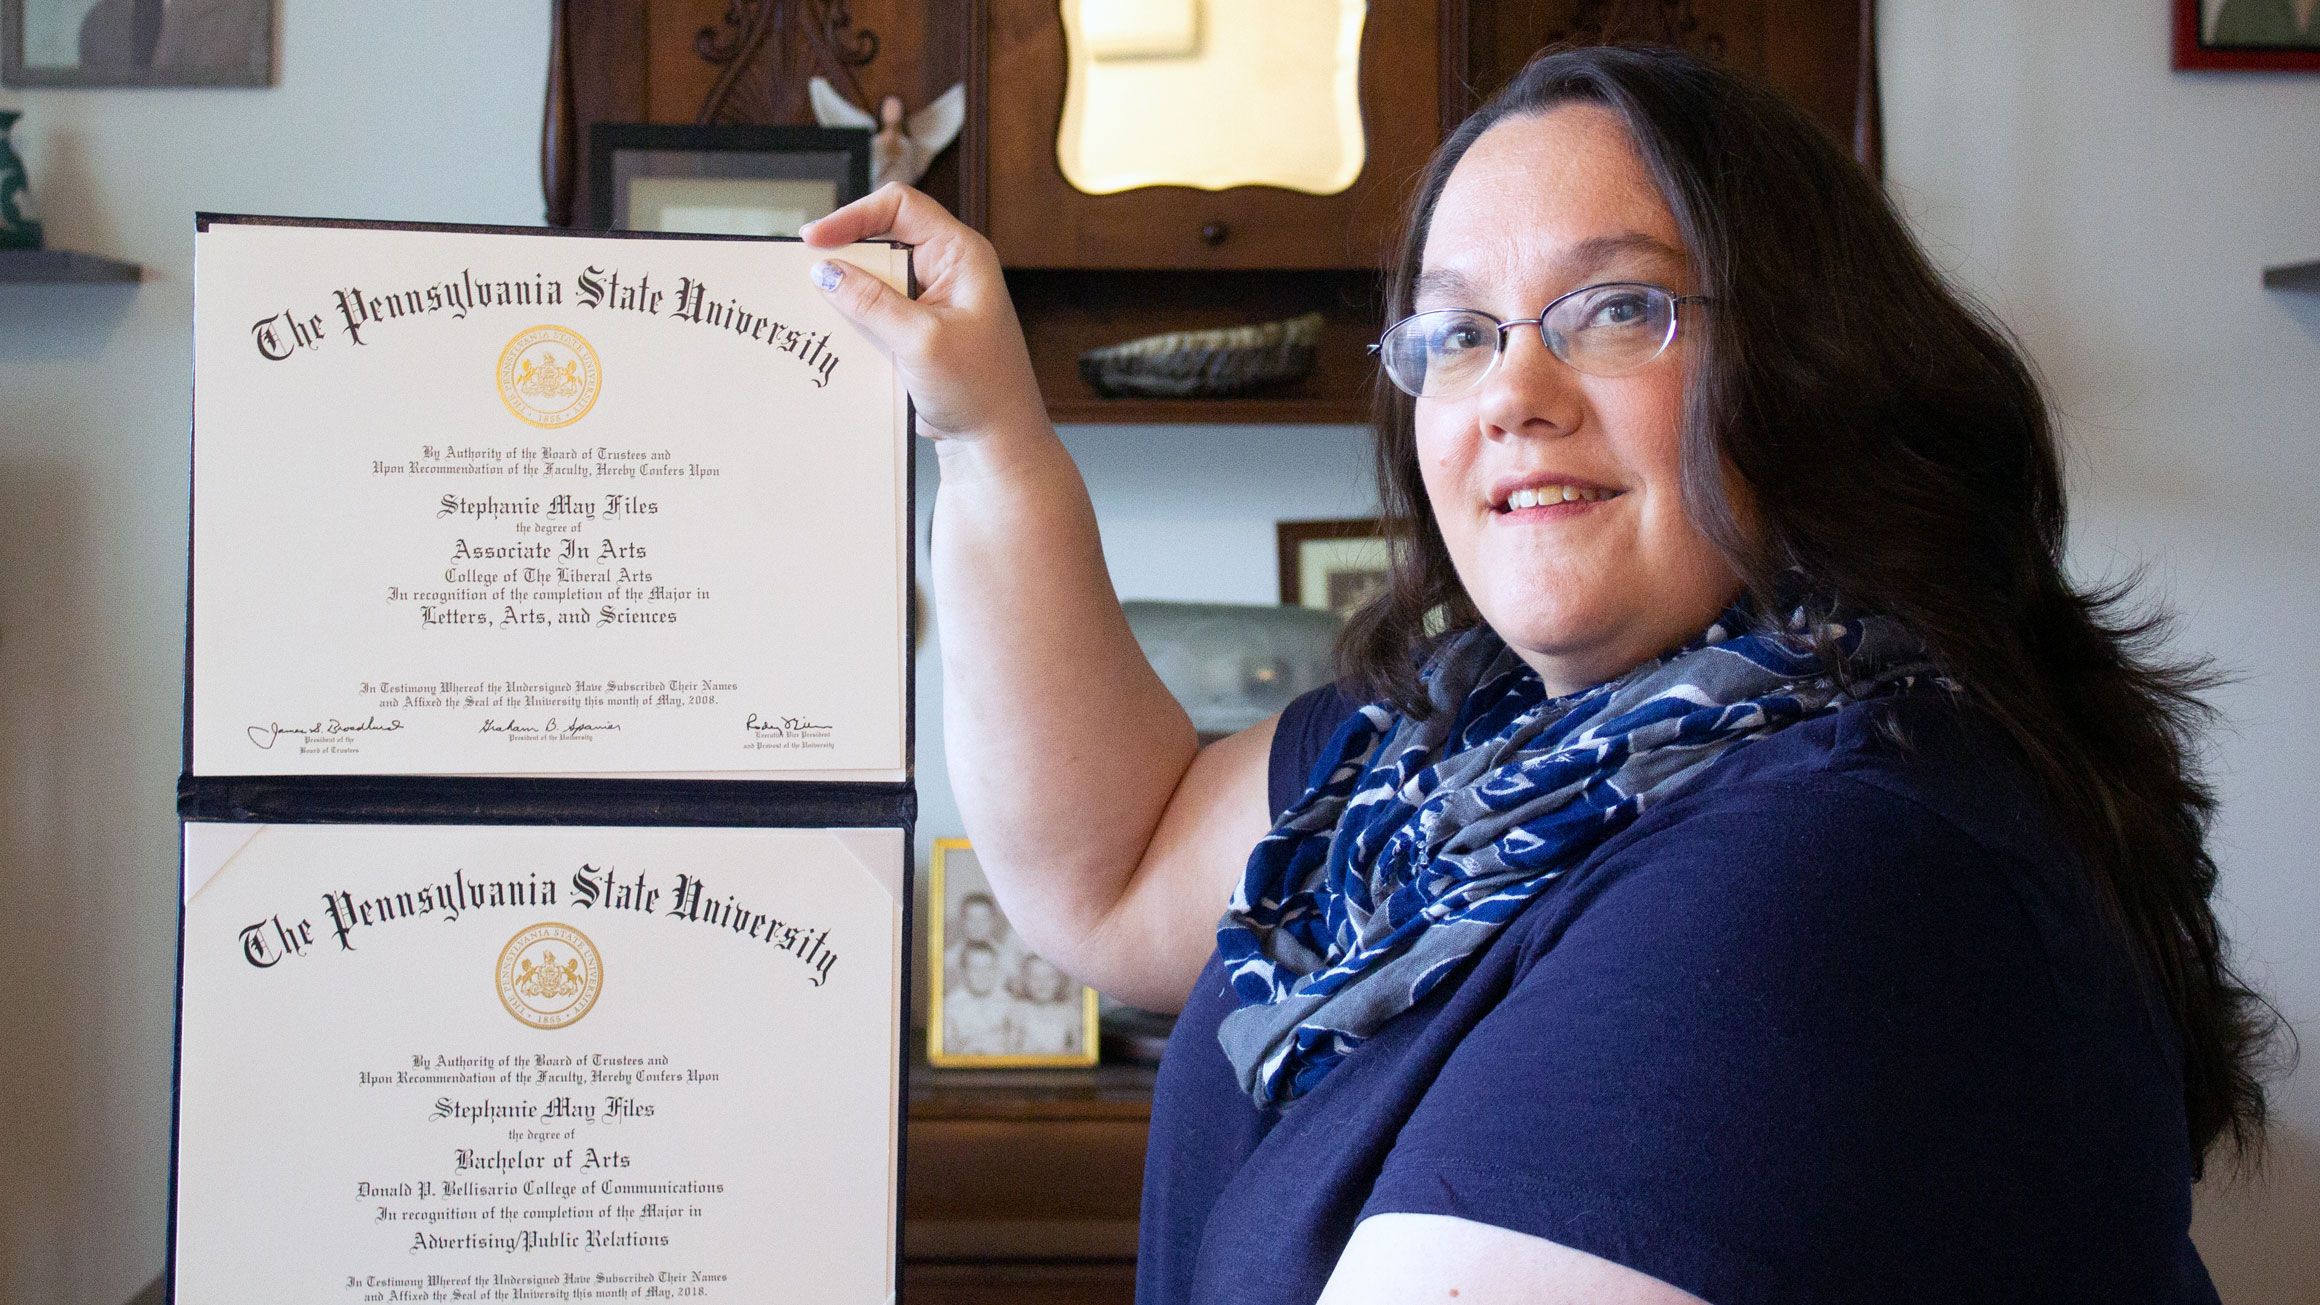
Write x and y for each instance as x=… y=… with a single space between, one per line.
x=1531 y=391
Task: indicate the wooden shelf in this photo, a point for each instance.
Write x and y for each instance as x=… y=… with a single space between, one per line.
x=1211 y=412
x=1103 y=1092
x=62 y=266
x=1023 y=1185
x=1081 y=1282
x=1066 y=312
x=2293 y=276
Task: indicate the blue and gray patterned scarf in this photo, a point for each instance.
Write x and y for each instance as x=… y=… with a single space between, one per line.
x=1417 y=842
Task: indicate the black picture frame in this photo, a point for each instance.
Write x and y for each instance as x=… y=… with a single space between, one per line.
x=537 y=801
x=813 y=163
x=514 y=799
x=236 y=45
x=540 y=816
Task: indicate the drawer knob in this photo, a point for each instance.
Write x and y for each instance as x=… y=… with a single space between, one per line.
x=1214 y=233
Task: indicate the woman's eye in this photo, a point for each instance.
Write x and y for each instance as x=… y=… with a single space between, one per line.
x=1458 y=337
x=1618 y=310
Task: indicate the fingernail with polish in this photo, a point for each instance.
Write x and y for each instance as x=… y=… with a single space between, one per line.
x=827 y=275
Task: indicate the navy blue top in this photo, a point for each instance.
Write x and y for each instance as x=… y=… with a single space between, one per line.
x=1838 y=1022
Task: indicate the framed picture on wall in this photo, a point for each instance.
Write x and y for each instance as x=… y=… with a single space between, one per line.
x=136 y=42
x=723 y=181
x=2268 y=35
x=1331 y=566
x=994 y=1002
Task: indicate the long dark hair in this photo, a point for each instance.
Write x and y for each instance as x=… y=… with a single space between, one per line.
x=1901 y=460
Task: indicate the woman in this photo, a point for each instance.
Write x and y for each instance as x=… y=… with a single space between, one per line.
x=1773 y=883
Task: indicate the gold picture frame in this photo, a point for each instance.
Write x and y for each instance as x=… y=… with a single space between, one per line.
x=1017 y=1030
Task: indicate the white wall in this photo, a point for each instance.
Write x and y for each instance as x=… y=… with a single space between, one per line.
x=2116 y=215
x=423 y=109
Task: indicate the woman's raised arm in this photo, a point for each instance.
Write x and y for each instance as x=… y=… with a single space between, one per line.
x=1111 y=838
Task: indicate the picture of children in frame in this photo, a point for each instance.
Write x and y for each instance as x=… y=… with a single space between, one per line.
x=995 y=1001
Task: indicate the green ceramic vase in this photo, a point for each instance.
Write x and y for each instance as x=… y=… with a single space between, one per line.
x=18 y=227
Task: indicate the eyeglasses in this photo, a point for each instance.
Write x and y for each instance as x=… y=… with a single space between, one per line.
x=1602 y=330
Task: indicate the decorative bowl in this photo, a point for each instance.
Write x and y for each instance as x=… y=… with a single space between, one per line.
x=1212 y=364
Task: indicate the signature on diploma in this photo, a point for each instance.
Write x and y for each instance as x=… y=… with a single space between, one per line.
x=266 y=736
x=551 y=728
x=782 y=725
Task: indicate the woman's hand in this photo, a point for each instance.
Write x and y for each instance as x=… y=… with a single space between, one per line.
x=958 y=345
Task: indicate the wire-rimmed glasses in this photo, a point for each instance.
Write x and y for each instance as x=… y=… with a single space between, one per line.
x=1609 y=329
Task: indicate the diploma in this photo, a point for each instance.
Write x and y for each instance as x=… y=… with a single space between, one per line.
x=441 y=1063
x=487 y=502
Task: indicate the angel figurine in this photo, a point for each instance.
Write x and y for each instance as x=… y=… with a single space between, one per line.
x=901 y=149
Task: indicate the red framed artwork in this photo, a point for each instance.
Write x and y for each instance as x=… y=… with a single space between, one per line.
x=2248 y=35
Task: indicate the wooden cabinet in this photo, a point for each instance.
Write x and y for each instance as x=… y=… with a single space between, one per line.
x=1091 y=270
x=737 y=62
x=1023 y=1185
x=1822 y=54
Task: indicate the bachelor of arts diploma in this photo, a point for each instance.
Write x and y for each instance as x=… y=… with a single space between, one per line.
x=444 y=1063
x=474 y=502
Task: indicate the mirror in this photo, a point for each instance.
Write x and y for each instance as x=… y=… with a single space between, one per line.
x=1212 y=94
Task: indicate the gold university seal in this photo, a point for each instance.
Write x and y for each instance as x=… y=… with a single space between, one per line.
x=549 y=975
x=548 y=376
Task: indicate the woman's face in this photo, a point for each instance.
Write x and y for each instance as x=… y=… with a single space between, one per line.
x=1587 y=588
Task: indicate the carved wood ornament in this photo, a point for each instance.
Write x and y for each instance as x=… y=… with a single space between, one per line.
x=734 y=62
x=1659 y=22
x=1678 y=23
x=770 y=49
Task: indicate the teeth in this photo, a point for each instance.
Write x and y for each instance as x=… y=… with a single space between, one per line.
x=1549 y=495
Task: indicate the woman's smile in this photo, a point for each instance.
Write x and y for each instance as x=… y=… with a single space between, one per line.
x=1549 y=498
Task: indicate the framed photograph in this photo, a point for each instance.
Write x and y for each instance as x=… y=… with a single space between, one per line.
x=137 y=42
x=722 y=181
x=994 y=1002
x=1331 y=566
x=2248 y=35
